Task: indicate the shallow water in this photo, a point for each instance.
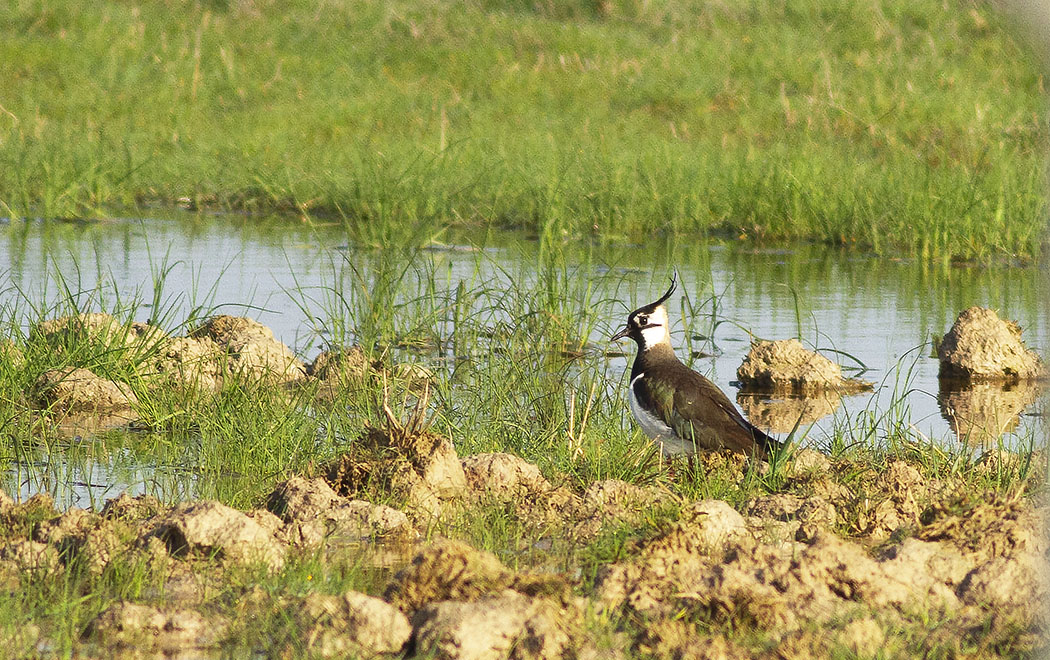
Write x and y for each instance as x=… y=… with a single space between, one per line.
x=878 y=311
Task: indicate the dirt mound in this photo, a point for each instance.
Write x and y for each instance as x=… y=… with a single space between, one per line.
x=618 y=499
x=897 y=497
x=75 y=391
x=876 y=500
x=971 y=559
x=503 y=477
x=209 y=529
x=756 y=585
x=83 y=536
x=503 y=625
x=415 y=465
x=30 y=556
x=353 y=625
x=190 y=362
x=447 y=570
x=100 y=329
x=135 y=626
x=132 y=509
x=251 y=348
x=678 y=556
x=988 y=525
x=786 y=517
x=981 y=412
x=312 y=512
x=340 y=369
x=785 y=365
x=84 y=402
x=11 y=354
x=981 y=346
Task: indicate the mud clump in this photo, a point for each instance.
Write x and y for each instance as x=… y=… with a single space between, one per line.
x=785 y=366
x=981 y=346
x=83 y=536
x=251 y=348
x=994 y=527
x=786 y=517
x=679 y=556
x=353 y=625
x=312 y=512
x=136 y=626
x=419 y=467
x=11 y=354
x=503 y=476
x=81 y=391
x=188 y=362
x=30 y=556
x=84 y=402
x=100 y=329
x=464 y=603
x=898 y=496
x=210 y=529
x=504 y=625
x=447 y=570
x=132 y=509
x=339 y=370
x=759 y=586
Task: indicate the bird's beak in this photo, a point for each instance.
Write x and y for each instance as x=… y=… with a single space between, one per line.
x=621 y=334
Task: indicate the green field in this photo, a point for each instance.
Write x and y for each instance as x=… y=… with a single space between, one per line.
x=899 y=127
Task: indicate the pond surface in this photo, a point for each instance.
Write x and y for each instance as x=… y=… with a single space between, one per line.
x=874 y=314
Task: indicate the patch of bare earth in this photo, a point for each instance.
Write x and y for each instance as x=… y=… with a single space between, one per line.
x=981 y=346
x=849 y=558
x=404 y=459
x=785 y=384
x=463 y=603
x=311 y=513
x=81 y=401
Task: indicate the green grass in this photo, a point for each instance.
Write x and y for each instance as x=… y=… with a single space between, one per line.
x=517 y=376
x=893 y=126
x=512 y=371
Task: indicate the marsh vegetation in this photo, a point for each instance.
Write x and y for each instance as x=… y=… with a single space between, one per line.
x=347 y=391
x=482 y=405
x=900 y=127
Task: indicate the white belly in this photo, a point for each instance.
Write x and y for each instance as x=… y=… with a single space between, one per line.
x=657 y=431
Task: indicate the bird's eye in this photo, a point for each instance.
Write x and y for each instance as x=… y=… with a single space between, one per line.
x=643 y=320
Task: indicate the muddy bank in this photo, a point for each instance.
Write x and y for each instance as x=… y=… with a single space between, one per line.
x=868 y=555
x=982 y=347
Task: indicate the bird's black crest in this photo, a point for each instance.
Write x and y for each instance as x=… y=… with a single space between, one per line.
x=670 y=290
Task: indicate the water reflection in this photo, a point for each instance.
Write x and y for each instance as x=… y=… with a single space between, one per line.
x=876 y=312
x=981 y=413
x=780 y=412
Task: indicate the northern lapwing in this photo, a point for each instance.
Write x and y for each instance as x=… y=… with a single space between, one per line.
x=676 y=407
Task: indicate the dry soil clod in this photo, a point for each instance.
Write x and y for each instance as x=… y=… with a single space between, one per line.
x=419 y=467
x=981 y=346
x=312 y=512
x=207 y=529
x=79 y=391
x=252 y=348
x=353 y=625
x=786 y=366
x=136 y=626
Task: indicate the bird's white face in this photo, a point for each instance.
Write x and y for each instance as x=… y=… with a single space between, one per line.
x=652 y=328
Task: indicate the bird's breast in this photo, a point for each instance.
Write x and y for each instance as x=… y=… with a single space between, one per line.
x=652 y=425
